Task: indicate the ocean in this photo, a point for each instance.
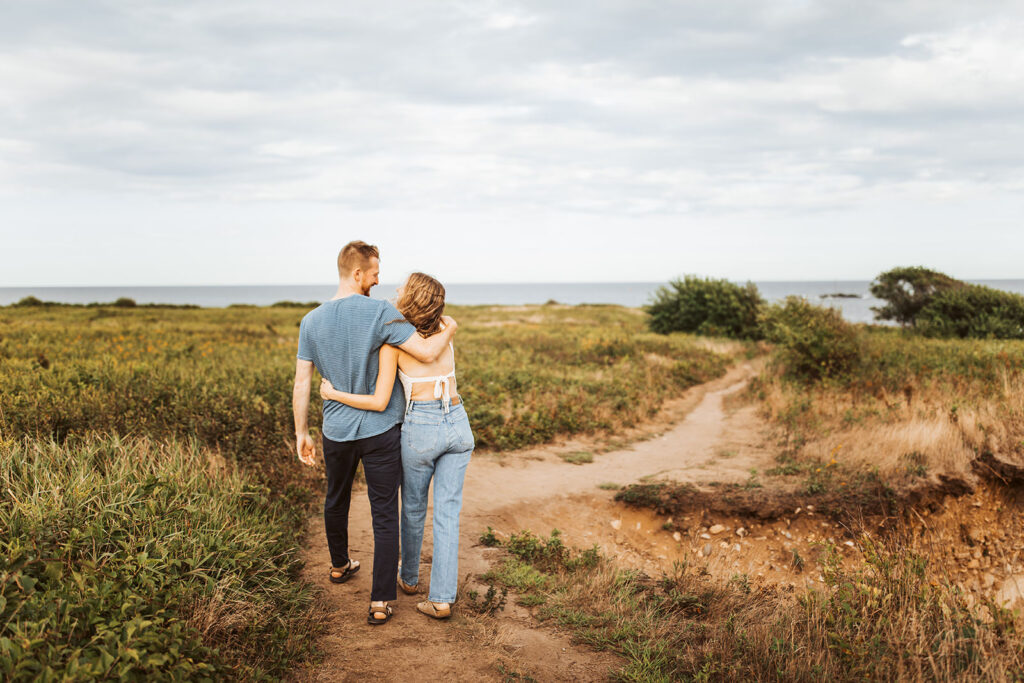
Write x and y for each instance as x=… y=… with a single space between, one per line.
x=856 y=308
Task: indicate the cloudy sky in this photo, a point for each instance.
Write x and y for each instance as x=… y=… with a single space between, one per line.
x=235 y=142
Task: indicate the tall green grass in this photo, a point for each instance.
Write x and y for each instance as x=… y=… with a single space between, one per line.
x=133 y=559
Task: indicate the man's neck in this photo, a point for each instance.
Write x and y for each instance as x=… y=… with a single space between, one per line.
x=346 y=289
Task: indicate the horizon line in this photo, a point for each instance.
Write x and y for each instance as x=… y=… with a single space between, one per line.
x=491 y=283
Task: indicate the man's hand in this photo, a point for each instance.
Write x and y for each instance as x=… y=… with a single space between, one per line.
x=428 y=350
x=326 y=388
x=305 y=448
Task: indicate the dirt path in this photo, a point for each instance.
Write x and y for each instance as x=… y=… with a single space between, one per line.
x=533 y=489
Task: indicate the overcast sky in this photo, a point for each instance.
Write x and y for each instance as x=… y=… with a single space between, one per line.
x=236 y=142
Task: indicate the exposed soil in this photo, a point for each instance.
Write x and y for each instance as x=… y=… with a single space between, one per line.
x=537 y=489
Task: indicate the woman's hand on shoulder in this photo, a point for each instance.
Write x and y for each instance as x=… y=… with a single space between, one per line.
x=325 y=388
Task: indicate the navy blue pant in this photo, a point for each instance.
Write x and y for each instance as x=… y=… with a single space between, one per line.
x=382 y=465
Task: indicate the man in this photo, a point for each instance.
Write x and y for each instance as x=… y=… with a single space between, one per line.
x=342 y=338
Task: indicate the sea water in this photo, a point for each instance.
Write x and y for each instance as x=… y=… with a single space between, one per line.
x=855 y=306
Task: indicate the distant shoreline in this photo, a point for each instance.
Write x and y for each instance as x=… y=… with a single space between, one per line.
x=855 y=306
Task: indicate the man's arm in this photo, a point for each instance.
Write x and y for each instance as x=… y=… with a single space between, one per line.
x=427 y=350
x=304 y=446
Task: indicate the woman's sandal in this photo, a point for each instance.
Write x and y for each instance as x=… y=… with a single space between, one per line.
x=436 y=610
x=344 y=574
x=379 y=615
x=407 y=589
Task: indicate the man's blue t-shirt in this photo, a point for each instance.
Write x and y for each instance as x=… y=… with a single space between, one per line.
x=342 y=338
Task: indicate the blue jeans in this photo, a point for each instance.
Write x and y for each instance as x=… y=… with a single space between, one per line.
x=434 y=445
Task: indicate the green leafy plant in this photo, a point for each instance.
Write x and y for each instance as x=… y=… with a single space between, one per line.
x=974 y=312
x=490 y=603
x=706 y=306
x=813 y=343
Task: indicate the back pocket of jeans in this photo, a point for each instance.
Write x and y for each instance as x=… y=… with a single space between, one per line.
x=421 y=439
x=463 y=436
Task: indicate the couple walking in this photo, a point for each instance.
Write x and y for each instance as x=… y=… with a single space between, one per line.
x=403 y=438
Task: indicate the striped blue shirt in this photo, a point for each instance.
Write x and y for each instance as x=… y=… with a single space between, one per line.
x=342 y=338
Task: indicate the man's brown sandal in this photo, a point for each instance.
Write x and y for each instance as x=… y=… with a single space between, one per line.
x=407 y=589
x=379 y=615
x=343 y=574
x=436 y=610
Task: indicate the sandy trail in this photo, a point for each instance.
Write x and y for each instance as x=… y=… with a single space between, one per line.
x=529 y=489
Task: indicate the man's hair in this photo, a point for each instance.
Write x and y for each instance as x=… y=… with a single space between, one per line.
x=355 y=255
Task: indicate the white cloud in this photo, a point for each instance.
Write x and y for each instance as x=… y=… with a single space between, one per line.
x=608 y=109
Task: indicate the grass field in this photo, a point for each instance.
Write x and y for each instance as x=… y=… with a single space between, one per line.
x=153 y=506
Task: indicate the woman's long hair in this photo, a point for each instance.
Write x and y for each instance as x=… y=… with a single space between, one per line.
x=422 y=303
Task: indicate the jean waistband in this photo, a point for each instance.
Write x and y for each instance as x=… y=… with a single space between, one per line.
x=435 y=406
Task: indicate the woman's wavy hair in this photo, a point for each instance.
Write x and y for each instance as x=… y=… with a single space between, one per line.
x=422 y=303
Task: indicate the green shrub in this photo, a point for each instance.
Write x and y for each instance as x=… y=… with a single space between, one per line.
x=124 y=302
x=706 y=306
x=30 y=301
x=974 y=312
x=907 y=291
x=292 y=304
x=813 y=342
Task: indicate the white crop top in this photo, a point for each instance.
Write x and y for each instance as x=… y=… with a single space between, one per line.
x=441 y=384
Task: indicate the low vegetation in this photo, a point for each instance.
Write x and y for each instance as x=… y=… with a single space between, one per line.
x=153 y=506
x=916 y=411
x=135 y=559
x=884 y=621
x=223 y=375
x=926 y=301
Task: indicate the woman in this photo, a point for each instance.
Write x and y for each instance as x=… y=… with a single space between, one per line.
x=437 y=443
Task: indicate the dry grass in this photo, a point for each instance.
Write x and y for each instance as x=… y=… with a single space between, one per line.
x=915 y=409
x=885 y=621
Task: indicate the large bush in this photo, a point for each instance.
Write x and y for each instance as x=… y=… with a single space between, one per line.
x=706 y=306
x=908 y=290
x=974 y=312
x=813 y=342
